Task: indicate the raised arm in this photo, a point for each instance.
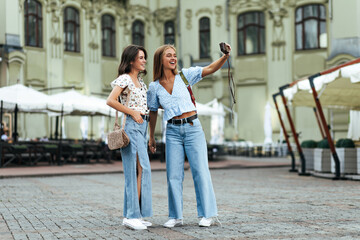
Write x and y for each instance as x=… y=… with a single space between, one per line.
x=216 y=65
x=152 y=124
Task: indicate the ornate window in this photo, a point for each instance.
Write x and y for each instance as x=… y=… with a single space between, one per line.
x=138 y=33
x=33 y=23
x=310 y=25
x=108 y=35
x=251 y=33
x=169 y=32
x=71 y=30
x=204 y=38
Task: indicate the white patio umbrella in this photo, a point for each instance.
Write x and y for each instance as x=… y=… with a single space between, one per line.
x=202 y=110
x=267 y=124
x=354 y=125
x=72 y=102
x=217 y=124
x=205 y=110
x=75 y=103
x=84 y=125
x=103 y=108
x=27 y=99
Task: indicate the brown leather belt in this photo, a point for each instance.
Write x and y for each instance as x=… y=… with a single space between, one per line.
x=183 y=120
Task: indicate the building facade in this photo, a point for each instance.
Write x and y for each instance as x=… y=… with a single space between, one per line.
x=78 y=43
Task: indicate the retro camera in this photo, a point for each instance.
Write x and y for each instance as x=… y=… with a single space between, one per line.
x=223 y=48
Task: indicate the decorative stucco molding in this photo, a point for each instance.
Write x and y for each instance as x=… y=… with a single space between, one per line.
x=92 y=14
x=188 y=16
x=218 y=12
x=238 y=6
x=162 y=15
x=203 y=11
x=55 y=7
x=277 y=12
x=138 y=12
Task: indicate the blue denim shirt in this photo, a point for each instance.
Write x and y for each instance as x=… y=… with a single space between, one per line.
x=179 y=101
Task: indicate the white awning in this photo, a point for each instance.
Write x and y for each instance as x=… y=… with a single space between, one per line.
x=338 y=89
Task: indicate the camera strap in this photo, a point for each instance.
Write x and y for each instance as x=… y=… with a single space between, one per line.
x=188 y=87
x=232 y=89
x=232 y=86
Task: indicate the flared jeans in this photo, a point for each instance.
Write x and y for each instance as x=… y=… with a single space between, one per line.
x=190 y=140
x=136 y=147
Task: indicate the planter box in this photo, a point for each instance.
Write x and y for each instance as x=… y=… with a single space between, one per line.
x=322 y=160
x=309 y=158
x=348 y=161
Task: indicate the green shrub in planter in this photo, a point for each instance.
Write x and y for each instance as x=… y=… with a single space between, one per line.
x=323 y=144
x=345 y=143
x=309 y=144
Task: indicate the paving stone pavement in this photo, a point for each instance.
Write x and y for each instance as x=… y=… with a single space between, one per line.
x=268 y=203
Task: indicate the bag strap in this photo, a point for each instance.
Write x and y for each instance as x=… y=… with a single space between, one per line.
x=184 y=79
x=127 y=103
x=188 y=87
x=124 y=117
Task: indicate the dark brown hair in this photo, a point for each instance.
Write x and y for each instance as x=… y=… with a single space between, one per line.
x=158 y=70
x=129 y=55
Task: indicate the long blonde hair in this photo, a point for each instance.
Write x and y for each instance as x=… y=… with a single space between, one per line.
x=158 y=70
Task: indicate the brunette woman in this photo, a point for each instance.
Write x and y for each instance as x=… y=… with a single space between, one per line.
x=132 y=90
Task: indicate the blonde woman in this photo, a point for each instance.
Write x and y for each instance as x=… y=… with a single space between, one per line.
x=184 y=134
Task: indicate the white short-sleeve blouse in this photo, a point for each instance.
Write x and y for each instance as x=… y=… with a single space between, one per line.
x=138 y=97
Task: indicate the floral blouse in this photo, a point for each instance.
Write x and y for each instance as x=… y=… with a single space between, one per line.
x=138 y=97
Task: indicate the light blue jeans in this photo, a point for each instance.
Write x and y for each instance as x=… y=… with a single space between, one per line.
x=189 y=139
x=137 y=145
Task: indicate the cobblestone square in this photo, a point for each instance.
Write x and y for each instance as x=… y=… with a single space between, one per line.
x=260 y=203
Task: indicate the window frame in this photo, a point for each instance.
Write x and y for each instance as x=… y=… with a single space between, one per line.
x=259 y=26
x=205 y=31
x=38 y=24
x=112 y=39
x=76 y=32
x=140 y=34
x=169 y=35
x=318 y=19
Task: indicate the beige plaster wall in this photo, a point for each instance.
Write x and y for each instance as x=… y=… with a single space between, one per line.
x=257 y=77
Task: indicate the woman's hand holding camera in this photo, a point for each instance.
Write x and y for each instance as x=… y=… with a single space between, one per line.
x=225 y=48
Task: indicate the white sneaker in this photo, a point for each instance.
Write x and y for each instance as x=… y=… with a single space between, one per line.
x=134 y=223
x=173 y=223
x=207 y=222
x=146 y=223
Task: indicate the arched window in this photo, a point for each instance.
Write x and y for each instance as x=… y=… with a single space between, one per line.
x=71 y=30
x=204 y=28
x=251 y=33
x=138 y=33
x=108 y=35
x=33 y=23
x=310 y=25
x=169 y=32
